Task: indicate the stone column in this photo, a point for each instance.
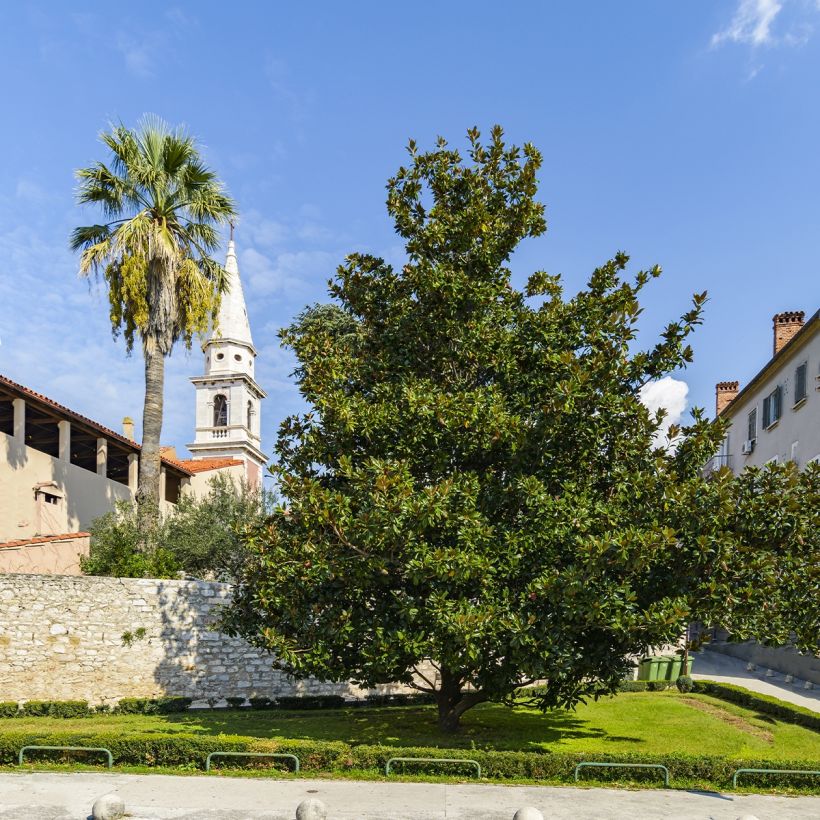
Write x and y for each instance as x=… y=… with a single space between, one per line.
x=133 y=472
x=162 y=485
x=19 y=406
x=185 y=486
x=64 y=446
x=102 y=457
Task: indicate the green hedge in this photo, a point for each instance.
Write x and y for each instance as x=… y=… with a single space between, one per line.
x=189 y=751
x=151 y=706
x=789 y=712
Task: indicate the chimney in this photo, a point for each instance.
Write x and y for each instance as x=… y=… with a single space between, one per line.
x=724 y=393
x=128 y=428
x=785 y=326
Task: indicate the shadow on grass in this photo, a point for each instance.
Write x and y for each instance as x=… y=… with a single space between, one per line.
x=490 y=726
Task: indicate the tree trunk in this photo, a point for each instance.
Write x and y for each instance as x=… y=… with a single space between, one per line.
x=453 y=702
x=150 y=464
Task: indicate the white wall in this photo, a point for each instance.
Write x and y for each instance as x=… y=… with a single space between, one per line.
x=800 y=424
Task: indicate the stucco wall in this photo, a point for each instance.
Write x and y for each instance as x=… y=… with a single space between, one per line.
x=61 y=638
x=798 y=426
x=86 y=495
x=200 y=484
x=49 y=557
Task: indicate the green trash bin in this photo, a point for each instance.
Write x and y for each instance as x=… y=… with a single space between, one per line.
x=674 y=667
x=690 y=664
x=652 y=668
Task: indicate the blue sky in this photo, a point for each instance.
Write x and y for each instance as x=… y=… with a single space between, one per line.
x=686 y=134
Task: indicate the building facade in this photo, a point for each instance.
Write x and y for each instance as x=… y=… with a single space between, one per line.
x=776 y=417
x=58 y=472
x=228 y=400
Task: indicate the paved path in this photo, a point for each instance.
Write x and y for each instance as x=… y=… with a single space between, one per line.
x=50 y=796
x=719 y=667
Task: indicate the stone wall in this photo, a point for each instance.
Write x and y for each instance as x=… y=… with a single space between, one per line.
x=61 y=638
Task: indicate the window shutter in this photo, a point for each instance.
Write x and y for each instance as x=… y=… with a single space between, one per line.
x=778 y=402
x=800 y=383
x=767 y=411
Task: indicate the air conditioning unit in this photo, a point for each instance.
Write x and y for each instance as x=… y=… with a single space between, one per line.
x=748 y=447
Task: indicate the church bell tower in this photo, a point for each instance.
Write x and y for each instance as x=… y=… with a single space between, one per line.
x=228 y=398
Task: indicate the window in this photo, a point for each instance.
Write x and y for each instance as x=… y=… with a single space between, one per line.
x=772 y=407
x=220 y=411
x=751 y=433
x=250 y=414
x=237 y=357
x=800 y=385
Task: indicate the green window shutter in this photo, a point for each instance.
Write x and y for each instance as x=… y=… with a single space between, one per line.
x=800 y=382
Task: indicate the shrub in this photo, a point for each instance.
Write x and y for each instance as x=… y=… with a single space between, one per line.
x=632 y=686
x=261 y=703
x=56 y=708
x=685 y=684
x=311 y=702
x=151 y=706
x=9 y=708
x=187 y=750
x=235 y=703
x=397 y=699
x=788 y=712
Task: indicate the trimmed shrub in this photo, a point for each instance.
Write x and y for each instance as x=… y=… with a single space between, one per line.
x=685 y=684
x=151 y=706
x=9 y=708
x=235 y=703
x=189 y=751
x=398 y=699
x=632 y=686
x=788 y=712
x=56 y=708
x=311 y=702
x=261 y=703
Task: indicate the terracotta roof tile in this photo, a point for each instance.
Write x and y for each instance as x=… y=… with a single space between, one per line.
x=27 y=391
x=201 y=465
x=43 y=539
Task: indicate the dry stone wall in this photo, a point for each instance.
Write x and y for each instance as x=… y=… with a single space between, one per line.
x=66 y=638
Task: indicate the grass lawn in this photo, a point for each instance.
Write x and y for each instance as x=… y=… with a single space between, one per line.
x=642 y=722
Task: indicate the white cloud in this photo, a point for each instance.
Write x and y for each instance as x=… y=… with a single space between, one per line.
x=669 y=394
x=751 y=23
x=291 y=272
x=139 y=59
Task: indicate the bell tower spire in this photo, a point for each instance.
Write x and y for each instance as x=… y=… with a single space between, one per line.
x=228 y=398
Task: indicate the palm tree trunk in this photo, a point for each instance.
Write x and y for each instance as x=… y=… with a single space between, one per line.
x=150 y=464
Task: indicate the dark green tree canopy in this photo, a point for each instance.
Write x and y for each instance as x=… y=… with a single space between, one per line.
x=475 y=499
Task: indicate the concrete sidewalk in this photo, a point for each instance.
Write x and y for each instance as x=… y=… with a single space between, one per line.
x=50 y=796
x=715 y=666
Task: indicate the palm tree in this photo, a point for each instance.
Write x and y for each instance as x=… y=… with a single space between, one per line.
x=162 y=206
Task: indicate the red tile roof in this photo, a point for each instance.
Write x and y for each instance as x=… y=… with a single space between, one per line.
x=201 y=465
x=43 y=539
x=27 y=391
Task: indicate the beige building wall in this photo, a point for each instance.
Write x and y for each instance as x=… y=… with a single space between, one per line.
x=48 y=557
x=200 y=483
x=796 y=435
x=83 y=495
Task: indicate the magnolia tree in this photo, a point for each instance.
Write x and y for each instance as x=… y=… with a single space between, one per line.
x=474 y=500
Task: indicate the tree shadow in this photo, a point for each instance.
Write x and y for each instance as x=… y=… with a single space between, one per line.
x=489 y=727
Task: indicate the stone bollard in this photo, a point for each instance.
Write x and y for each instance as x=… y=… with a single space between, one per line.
x=108 y=807
x=528 y=813
x=311 y=809
x=747 y=817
